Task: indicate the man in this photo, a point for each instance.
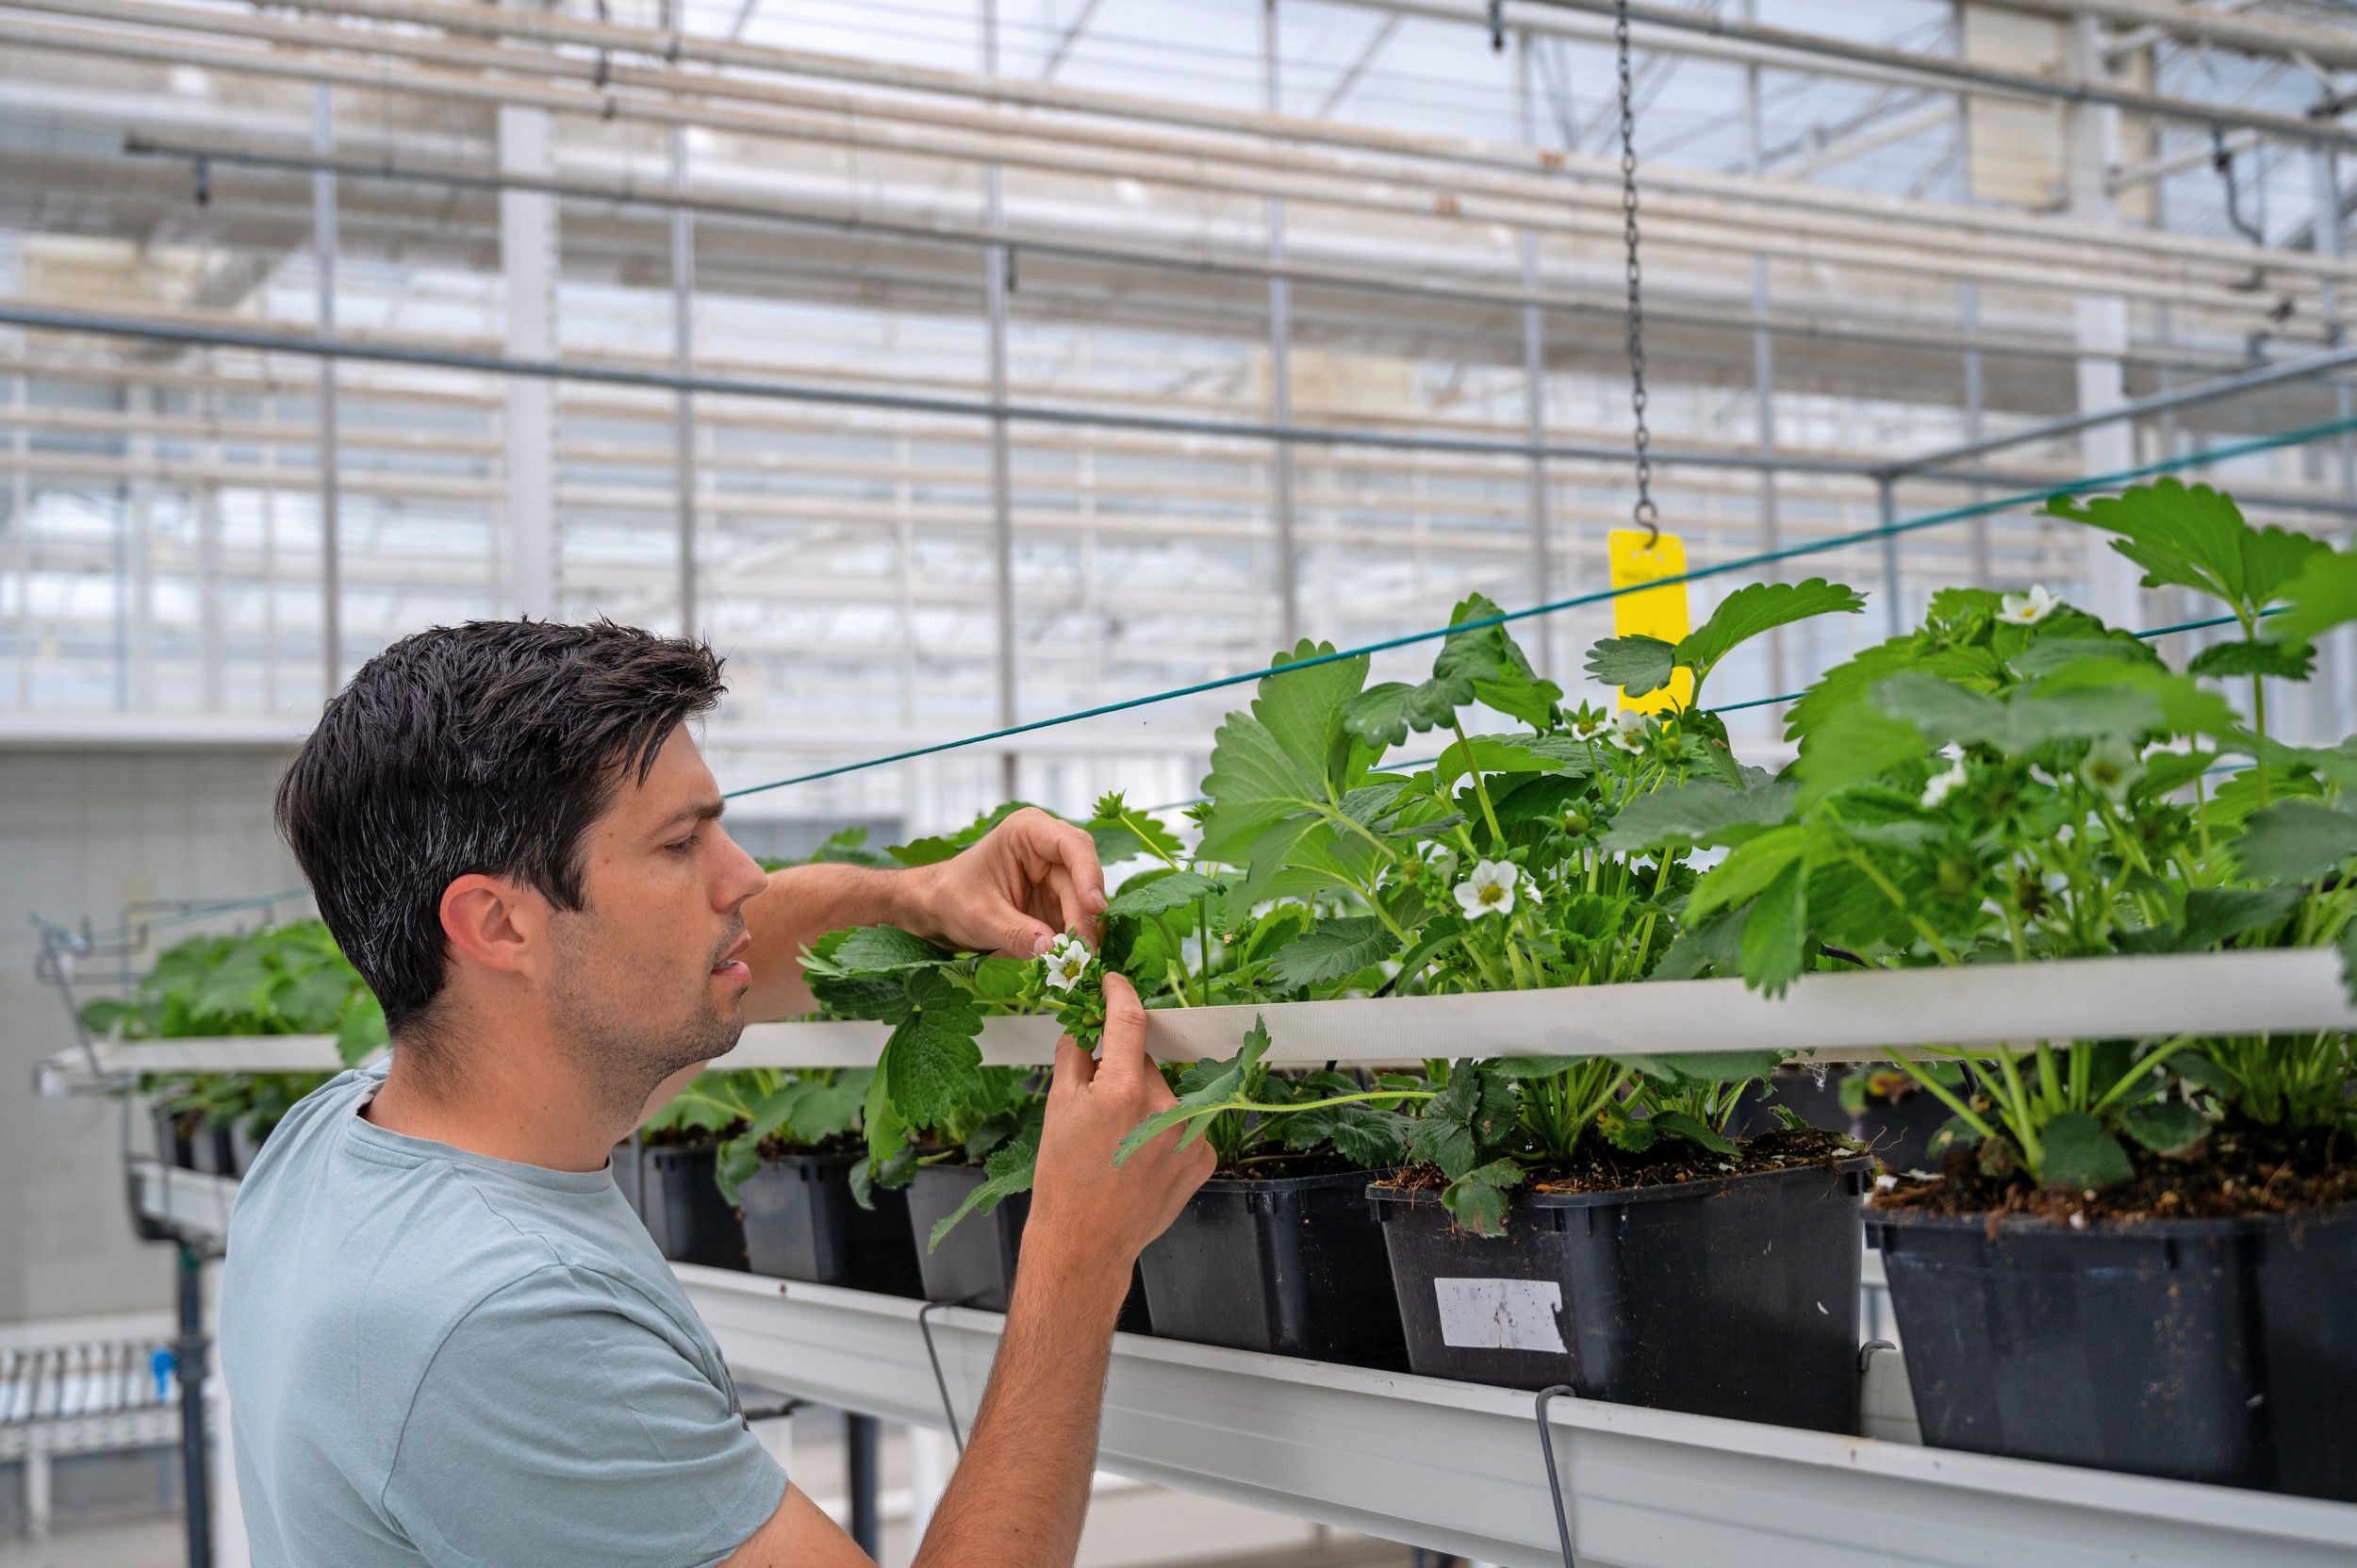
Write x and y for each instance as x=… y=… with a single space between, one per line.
x=447 y=1339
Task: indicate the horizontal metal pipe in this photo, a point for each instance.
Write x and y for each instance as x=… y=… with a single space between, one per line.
x=1292 y=137
x=2269 y=37
x=100 y=324
x=2136 y=408
x=1165 y=260
x=673 y=47
x=2159 y=105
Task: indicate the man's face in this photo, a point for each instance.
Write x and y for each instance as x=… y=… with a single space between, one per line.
x=649 y=976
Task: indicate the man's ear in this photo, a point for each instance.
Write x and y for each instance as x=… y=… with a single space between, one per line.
x=500 y=924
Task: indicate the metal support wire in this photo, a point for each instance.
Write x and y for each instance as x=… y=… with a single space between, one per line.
x=1554 y=1481
x=924 y=1327
x=1738 y=563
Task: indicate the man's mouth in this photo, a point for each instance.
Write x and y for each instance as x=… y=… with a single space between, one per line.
x=733 y=965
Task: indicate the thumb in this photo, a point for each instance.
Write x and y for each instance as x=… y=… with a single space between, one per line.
x=1074 y=1068
x=1121 y=1051
x=1026 y=937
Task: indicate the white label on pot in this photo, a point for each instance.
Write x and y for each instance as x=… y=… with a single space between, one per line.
x=1500 y=1314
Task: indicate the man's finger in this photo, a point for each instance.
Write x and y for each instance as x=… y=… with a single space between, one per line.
x=1123 y=1049
x=1077 y=916
x=1074 y=1068
x=1026 y=937
x=1061 y=844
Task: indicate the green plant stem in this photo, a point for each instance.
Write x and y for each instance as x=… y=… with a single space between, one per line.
x=2050 y=1080
x=2128 y=1079
x=2016 y=1113
x=1481 y=790
x=1203 y=936
x=1899 y=901
x=1201 y=1111
x=2259 y=723
x=1941 y=1091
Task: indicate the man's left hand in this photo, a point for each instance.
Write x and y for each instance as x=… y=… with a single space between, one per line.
x=1012 y=891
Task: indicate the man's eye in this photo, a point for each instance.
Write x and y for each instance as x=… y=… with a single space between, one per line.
x=684 y=845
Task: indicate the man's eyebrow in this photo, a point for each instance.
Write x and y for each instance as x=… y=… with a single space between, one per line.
x=700 y=811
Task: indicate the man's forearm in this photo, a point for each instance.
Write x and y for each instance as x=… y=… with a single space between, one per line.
x=803 y=903
x=1022 y=1487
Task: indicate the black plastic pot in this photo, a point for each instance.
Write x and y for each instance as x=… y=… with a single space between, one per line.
x=172 y=1143
x=1897 y=1132
x=1292 y=1266
x=974 y=1266
x=2308 y=1321
x=2219 y=1351
x=802 y=1223
x=209 y=1150
x=1734 y=1297
x=680 y=1199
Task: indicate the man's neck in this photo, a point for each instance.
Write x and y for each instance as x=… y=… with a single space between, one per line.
x=508 y=1103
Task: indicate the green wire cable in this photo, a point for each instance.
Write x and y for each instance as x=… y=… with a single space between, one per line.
x=1742 y=563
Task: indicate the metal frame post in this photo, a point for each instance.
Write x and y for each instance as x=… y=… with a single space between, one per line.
x=2337 y=671
x=1968 y=312
x=211 y=635
x=861 y=1473
x=1280 y=330
x=683 y=359
x=1887 y=511
x=20 y=519
x=1763 y=361
x=137 y=689
x=1535 y=383
x=2091 y=148
x=189 y=1356
x=269 y=447
x=997 y=283
x=528 y=266
x=330 y=473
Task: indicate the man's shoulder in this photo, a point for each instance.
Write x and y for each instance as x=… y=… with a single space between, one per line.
x=359 y=1234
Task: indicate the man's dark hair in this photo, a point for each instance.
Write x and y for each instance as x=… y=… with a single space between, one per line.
x=486 y=747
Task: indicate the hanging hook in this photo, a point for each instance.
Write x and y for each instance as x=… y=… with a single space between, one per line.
x=2222 y=160
x=204 y=180
x=1555 y=1476
x=1497 y=26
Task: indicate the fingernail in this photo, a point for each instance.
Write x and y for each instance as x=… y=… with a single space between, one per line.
x=1096 y=900
x=1040 y=945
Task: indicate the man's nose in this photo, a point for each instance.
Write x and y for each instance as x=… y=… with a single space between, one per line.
x=743 y=877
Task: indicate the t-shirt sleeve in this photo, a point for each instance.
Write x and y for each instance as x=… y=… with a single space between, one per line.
x=565 y=1421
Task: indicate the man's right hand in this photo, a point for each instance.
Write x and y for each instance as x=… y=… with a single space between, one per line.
x=1020 y=1491
x=1084 y=1209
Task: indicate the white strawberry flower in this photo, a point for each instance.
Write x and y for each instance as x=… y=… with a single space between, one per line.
x=1588 y=724
x=1943 y=783
x=2028 y=609
x=1489 y=890
x=1068 y=960
x=2112 y=767
x=1628 y=730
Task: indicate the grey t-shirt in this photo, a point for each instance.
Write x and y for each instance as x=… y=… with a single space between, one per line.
x=438 y=1358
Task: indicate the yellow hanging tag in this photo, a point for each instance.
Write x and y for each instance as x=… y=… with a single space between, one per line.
x=1656 y=612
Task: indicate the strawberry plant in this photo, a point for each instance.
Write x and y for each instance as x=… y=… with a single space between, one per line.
x=278 y=980
x=1512 y=861
x=2015 y=781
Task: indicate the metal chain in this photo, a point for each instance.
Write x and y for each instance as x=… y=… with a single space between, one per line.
x=1647 y=516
